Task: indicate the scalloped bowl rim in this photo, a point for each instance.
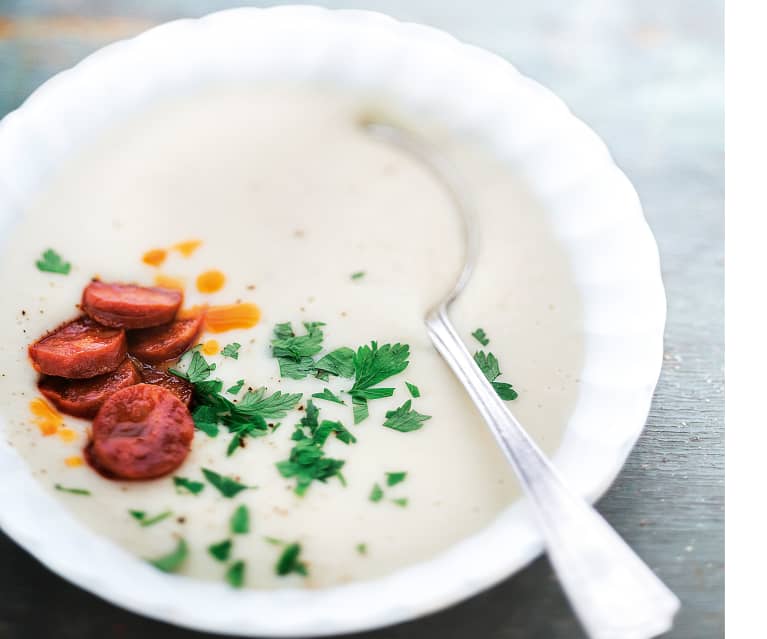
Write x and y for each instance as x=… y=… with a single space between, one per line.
x=593 y=208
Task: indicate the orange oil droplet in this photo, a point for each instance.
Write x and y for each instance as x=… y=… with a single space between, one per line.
x=45 y=416
x=168 y=281
x=74 y=461
x=210 y=347
x=67 y=434
x=154 y=257
x=188 y=247
x=210 y=281
x=228 y=317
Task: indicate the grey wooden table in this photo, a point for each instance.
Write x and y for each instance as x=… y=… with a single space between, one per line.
x=647 y=76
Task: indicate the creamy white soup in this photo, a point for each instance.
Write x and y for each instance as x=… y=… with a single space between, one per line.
x=286 y=203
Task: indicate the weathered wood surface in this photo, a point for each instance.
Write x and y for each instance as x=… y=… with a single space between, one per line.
x=648 y=77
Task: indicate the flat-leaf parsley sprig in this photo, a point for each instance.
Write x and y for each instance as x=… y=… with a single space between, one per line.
x=244 y=418
x=307 y=461
x=372 y=365
x=488 y=364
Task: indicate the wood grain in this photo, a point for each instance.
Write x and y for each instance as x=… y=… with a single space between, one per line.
x=648 y=77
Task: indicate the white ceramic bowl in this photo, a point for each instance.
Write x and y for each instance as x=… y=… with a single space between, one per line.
x=590 y=203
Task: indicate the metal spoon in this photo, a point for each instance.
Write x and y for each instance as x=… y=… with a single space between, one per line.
x=613 y=593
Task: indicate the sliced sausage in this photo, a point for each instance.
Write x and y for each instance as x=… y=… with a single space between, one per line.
x=84 y=397
x=79 y=349
x=140 y=432
x=130 y=306
x=161 y=343
x=179 y=387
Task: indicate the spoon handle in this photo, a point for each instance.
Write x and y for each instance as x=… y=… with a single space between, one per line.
x=614 y=594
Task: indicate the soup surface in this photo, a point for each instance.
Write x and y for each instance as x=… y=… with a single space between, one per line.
x=280 y=199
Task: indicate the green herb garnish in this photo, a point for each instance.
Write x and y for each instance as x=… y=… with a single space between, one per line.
x=239 y=523
x=414 y=390
x=274 y=541
x=206 y=419
x=392 y=479
x=488 y=364
x=72 y=491
x=289 y=562
x=362 y=549
x=182 y=484
x=401 y=502
x=328 y=395
x=246 y=418
x=173 y=560
x=235 y=575
x=141 y=517
x=307 y=461
x=376 y=494
x=227 y=486
x=221 y=550
x=51 y=262
x=339 y=362
x=236 y=387
x=405 y=419
x=481 y=337
x=358 y=275
x=231 y=350
x=373 y=365
x=294 y=352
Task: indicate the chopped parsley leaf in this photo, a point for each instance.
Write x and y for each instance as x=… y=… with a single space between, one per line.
x=358 y=275
x=372 y=365
x=145 y=521
x=187 y=485
x=221 y=550
x=206 y=419
x=227 y=486
x=362 y=549
x=244 y=418
x=392 y=479
x=289 y=562
x=51 y=262
x=488 y=364
x=330 y=396
x=239 y=523
x=274 y=541
x=72 y=491
x=235 y=575
x=338 y=362
x=236 y=387
x=327 y=427
x=404 y=419
x=198 y=369
x=307 y=461
x=481 y=337
x=294 y=352
x=414 y=390
x=401 y=502
x=173 y=560
x=231 y=350
x=359 y=409
x=275 y=406
x=376 y=494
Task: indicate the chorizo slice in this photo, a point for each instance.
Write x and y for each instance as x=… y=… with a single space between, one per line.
x=179 y=387
x=161 y=343
x=130 y=306
x=78 y=350
x=84 y=397
x=140 y=432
